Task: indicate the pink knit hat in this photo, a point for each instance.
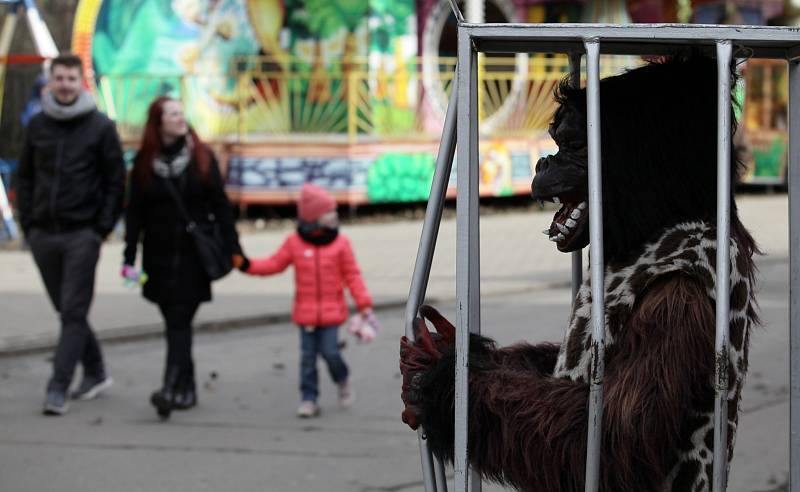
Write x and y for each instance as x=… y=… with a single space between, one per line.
x=314 y=202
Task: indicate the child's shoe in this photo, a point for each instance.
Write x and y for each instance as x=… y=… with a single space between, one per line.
x=347 y=396
x=307 y=410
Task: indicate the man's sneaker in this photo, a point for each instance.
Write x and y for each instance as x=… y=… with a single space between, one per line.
x=347 y=396
x=91 y=387
x=307 y=409
x=55 y=403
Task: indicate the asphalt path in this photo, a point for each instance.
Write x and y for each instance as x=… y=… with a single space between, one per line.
x=244 y=436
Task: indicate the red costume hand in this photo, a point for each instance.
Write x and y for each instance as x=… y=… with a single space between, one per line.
x=421 y=355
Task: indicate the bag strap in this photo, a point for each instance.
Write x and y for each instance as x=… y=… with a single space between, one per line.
x=190 y=224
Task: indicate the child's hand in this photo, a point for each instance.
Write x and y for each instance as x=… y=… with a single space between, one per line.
x=364 y=326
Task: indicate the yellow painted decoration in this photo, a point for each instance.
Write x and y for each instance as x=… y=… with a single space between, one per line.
x=266 y=18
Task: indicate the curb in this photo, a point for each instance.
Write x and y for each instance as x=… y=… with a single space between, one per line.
x=155 y=330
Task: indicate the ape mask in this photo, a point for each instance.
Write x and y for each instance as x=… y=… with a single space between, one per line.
x=658 y=130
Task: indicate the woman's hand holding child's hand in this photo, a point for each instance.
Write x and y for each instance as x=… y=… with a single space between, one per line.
x=240 y=262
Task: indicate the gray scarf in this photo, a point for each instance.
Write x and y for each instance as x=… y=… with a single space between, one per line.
x=84 y=104
x=174 y=168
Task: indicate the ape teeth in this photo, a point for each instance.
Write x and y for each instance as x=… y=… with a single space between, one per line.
x=560 y=237
x=546 y=232
x=582 y=205
x=576 y=214
x=562 y=228
x=570 y=223
x=554 y=238
x=556 y=200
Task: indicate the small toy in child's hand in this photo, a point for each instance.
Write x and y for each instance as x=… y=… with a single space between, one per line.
x=364 y=327
x=133 y=276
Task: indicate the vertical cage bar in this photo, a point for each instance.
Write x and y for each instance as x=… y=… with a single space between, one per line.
x=439 y=474
x=577 y=256
x=433 y=474
x=794 y=269
x=596 y=265
x=467 y=245
x=473 y=478
x=474 y=298
x=722 y=341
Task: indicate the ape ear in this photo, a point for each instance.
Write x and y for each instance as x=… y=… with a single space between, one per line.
x=442 y=325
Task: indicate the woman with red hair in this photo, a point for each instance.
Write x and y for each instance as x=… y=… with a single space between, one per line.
x=171 y=153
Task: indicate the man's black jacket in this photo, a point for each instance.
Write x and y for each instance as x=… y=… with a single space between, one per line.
x=71 y=174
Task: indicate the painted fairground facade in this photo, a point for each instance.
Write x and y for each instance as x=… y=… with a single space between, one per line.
x=349 y=94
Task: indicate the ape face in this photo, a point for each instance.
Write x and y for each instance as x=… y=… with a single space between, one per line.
x=563 y=179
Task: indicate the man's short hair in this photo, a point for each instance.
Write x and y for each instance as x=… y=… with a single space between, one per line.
x=68 y=60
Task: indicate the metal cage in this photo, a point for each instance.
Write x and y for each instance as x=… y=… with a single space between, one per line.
x=592 y=40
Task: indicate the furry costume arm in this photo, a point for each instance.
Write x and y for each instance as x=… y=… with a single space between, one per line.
x=540 y=357
x=529 y=430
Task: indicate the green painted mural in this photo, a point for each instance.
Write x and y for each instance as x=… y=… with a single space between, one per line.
x=193 y=49
x=400 y=177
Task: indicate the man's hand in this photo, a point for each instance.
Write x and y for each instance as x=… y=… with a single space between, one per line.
x=419 y=356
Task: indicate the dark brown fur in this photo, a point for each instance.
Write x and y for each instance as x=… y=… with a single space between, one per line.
x=530 y=428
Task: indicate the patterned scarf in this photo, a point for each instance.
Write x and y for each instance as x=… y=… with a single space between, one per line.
x=172 y=167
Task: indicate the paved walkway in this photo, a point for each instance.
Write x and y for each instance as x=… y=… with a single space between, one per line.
x=515 y=257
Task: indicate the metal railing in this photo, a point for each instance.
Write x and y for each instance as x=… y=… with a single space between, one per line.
x=268 y=97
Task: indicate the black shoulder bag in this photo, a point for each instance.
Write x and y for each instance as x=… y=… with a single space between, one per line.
x=210 y=245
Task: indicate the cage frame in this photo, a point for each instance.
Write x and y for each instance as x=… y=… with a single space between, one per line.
x=461 y=125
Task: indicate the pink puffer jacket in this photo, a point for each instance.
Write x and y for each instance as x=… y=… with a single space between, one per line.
x=320 y=274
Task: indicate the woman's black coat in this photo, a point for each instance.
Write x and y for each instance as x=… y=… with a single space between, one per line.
x=168 y=254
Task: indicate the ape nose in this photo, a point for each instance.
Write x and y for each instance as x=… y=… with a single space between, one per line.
x=541 y=169
x=542 y=163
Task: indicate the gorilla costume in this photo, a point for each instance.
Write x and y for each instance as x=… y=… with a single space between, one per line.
x=528 y=404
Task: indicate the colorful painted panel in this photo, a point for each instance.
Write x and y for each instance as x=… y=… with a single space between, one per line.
x=289 y=173
x=249 y=66
x=383 y=176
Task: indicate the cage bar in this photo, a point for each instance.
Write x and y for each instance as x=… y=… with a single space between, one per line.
x=433 y=473
x=794 y=274
x=595 y=264
x=467 y=248
x=722 y=342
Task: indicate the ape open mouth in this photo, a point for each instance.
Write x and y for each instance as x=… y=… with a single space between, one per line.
x=569 y=223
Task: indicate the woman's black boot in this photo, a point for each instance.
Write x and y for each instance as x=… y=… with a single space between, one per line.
x=186 y=395
x=164 y=398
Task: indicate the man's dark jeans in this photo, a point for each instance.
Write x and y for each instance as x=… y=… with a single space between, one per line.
x=67 y=262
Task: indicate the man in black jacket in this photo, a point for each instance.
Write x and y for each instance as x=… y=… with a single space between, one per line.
x=70 y=189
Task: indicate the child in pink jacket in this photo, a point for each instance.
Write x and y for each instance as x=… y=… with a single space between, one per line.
x=324 y=264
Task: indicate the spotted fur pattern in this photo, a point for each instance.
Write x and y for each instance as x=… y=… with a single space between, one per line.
x=690 y=248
